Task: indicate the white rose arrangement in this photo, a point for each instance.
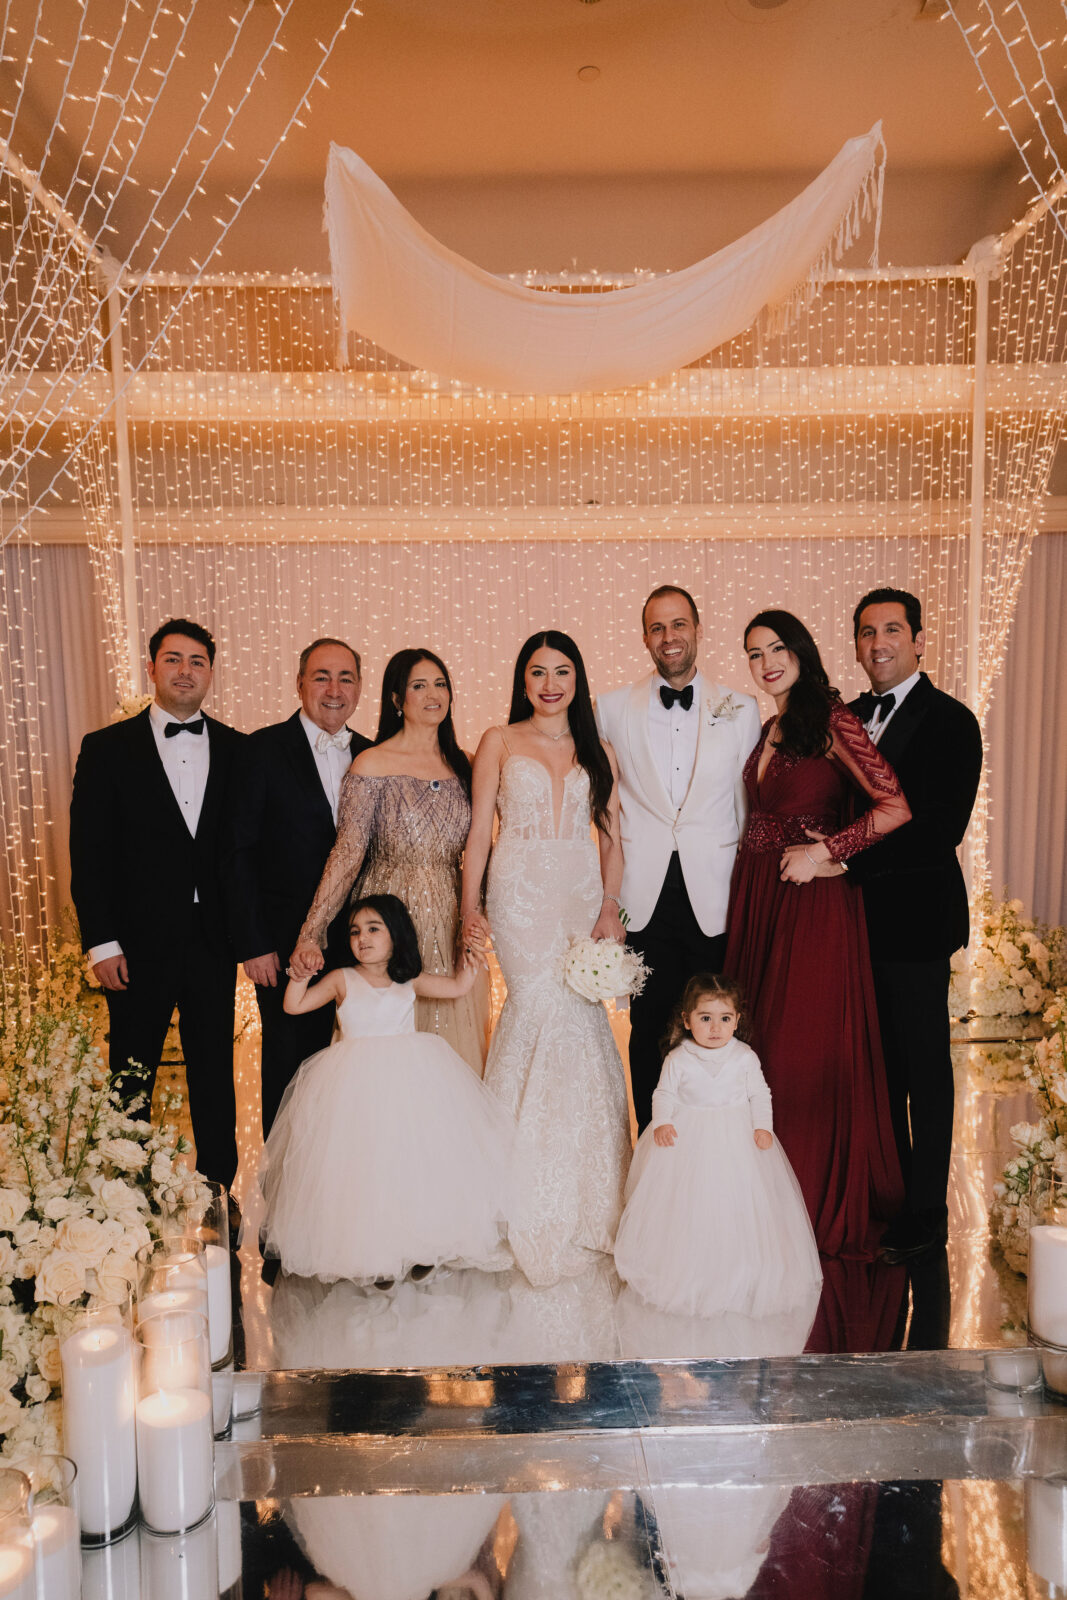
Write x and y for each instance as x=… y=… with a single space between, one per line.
x=131 y=706
x=602 y=969
x=82 y=1187
x=1042 y=1144
x=1011 y=967
x=609 y=1571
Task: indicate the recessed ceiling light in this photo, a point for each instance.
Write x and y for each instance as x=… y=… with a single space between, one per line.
x=589 y=74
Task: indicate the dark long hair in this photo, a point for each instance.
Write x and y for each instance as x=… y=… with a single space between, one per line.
x=395 y=682
x=804 y=726
x=588 y=749
x=405 y=963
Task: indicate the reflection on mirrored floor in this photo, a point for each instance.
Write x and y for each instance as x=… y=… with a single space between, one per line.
x=964 y=1297
x=917 y=1540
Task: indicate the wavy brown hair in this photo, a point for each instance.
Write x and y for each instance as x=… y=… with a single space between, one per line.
x=719 y=987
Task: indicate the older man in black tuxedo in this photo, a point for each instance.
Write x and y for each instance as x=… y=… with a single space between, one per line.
x=915 y=898
x=146 y=816
x=282 y=828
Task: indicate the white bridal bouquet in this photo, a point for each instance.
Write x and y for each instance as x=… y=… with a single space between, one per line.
x=601 y=969
x=82 y=1186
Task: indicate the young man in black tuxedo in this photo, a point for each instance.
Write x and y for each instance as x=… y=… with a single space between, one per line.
x=146 y=815
x=282 y=828
x=915 y=898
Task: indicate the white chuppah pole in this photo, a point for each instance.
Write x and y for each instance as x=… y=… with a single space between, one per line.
x=134 y=670
x=985 y=259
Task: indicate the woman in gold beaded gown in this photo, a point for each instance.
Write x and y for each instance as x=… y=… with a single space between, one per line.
x=402 y=823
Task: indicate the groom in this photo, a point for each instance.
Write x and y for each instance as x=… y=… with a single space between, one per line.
x=681 y=745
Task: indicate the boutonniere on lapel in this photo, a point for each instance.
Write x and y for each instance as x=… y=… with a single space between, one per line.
x=724 y=710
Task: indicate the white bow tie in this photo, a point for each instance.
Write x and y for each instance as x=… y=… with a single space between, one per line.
x=334 y=741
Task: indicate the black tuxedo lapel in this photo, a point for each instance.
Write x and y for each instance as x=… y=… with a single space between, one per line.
x=216 y=777
x=160 y=797
x=905 y=720
x=302 y=757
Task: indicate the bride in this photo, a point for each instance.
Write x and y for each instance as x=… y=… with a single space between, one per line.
x=553 y=1059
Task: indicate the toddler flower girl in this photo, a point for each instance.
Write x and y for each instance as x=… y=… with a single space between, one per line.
x=714 y=1219
x=388 y=1154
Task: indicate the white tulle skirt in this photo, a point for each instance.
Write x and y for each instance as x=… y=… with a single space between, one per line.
x=713 y=1224
x=386 y=1154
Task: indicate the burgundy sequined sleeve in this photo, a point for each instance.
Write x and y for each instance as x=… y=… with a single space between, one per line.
x=870 y=773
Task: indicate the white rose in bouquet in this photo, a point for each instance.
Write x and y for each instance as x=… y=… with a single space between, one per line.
x=126 y=1154
x=601 y=969
x=60 y=1278
x=13 y=1207
x=85 y=1238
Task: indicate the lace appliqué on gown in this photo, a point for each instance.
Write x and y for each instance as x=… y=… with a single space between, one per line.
x=553 y=1060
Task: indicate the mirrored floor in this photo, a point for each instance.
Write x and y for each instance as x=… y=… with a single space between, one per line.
x=963 y=1297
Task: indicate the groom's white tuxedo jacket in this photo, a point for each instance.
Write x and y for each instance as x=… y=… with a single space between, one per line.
x=706 y=827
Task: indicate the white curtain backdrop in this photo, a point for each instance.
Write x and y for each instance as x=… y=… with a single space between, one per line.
x=1028 y=742
x=265 y=603
x=399 y=287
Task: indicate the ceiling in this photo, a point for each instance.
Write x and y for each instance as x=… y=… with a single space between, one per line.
x=702 y=117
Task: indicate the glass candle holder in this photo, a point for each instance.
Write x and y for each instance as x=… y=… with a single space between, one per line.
x=1047 y=1278
x=113 y=1571
x=99 y=1406
x=175 y=1445
x=208 y=1220
x=16 y=1537
x=182 y=1567
x=172 y=1276
x=56 y=1527
x=1046 y=1532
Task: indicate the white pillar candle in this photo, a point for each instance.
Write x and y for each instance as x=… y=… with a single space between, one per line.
x=99 y=1398
x=113 y=1572
x=160 y=1300
x=182 y=1567
x=175 y=1458
x=57 y=1535
x=1046 y=1530
x=219 y=1301
x=16 y=1573
x=1048 y=1283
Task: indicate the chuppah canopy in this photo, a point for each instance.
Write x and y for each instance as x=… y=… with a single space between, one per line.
x=398 y=286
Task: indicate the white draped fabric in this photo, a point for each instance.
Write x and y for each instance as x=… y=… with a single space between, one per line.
x=488 y=597
x=402 y=289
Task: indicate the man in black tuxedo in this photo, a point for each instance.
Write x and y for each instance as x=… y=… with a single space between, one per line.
x=150 y=795
x=915 y=898
x=282 y=829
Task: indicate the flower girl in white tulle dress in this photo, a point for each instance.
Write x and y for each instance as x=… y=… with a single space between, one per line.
x=388 y=1154
x=714 y=1219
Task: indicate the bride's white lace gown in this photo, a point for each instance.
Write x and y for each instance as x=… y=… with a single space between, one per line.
x=553 y=1059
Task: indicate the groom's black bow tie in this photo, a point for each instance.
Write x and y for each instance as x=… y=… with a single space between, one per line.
x=172 y=729
x=684 y=696
x=876 y=706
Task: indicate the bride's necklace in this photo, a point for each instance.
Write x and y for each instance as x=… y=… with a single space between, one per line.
x=555 y=737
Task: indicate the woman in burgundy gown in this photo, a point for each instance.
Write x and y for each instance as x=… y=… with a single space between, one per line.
x=797 y=939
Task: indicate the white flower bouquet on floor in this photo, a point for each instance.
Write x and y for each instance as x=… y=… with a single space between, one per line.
x=1041 y=1145
x=603 y=969
x=82 y=1188
x=1012 y=966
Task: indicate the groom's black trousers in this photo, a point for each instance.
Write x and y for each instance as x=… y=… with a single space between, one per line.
x=674 y=949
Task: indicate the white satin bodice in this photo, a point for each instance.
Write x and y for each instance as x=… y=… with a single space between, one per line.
x=370 y=1013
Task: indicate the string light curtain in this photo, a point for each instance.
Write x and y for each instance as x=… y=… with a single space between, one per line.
x=277 y=493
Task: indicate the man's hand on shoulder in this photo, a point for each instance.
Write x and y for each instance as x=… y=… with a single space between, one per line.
x=112 y=972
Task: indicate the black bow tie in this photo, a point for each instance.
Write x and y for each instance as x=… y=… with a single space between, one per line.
x=876 y=707
x=684 y=697
x=174 y=728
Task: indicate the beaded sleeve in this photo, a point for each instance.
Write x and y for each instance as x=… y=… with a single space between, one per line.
x=355 y=827
x=870 y=773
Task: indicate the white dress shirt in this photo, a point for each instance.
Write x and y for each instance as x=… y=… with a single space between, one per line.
x=673 y=736
x=186 y=758
x=332 y=764
x=693 y=1076
x=877 y=725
